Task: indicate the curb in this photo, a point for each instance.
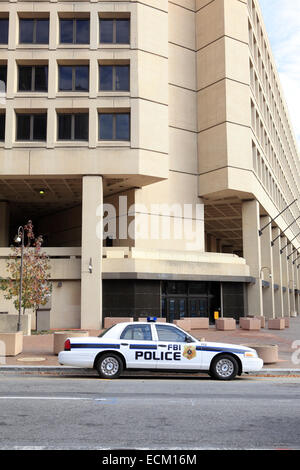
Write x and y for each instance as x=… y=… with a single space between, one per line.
x=68 y=370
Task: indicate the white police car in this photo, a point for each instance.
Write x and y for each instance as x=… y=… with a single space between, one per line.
x=157 y=346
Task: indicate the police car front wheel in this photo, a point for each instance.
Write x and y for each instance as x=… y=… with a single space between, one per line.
x=109 y=366
x=224 y=367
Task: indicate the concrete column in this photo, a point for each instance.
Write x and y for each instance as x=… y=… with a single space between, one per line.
x=94 y=22
x=285 y=278
x=4 y=224
x=252 y=253
x=54 y=30
x=91 y=252
x=266 y=270
x=295 y=286
x=291 y=286
x=277 y=273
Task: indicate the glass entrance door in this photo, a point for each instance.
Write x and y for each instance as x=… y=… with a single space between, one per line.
x=175 y=308
x=198 y=307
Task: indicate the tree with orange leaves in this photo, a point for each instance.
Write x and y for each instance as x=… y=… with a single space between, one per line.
x=36 y=285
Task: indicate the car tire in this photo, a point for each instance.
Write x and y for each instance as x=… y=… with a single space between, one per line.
x=224 y=367
x=109 y=366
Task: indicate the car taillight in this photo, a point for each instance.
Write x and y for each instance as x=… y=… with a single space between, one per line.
x=67 y=345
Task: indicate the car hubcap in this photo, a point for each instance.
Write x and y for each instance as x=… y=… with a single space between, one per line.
x=225 y=368
x=109 y=366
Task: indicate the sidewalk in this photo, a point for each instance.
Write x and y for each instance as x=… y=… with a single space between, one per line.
x=38 y=355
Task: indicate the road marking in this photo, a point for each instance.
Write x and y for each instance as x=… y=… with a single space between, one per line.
x=108 y=401
x=49 y=398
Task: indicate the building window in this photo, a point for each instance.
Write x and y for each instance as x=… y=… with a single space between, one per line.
x=3 y=78
x=114 y=31
x=73 y=78
x=114 y=77
x=3 y=30
x=32 y=127
x=114 y=126
x=33 y=77
x=34 y=30
x=73 y=126
x=74 y=30
x=2 y=127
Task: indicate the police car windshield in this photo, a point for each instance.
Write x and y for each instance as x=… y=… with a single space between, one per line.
x=105 y=331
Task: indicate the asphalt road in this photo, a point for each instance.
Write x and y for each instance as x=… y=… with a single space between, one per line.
x=149 y=413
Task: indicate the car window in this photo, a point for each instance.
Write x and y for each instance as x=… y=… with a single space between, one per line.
x=137 y=332
x=170 y=333
x=105 y=331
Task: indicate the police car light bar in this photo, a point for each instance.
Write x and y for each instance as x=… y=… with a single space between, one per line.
x=151 y=319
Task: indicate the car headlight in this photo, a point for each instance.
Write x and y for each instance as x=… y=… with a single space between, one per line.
x=250 y=354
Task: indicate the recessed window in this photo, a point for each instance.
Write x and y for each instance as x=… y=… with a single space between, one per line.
x=114 y=31
x=34 y=30
x=74 y=30
x=73 y=78
x=114 y=77
x=73 y=126
x=32 y=127
x=3 y=78
x=33 y=78
x=114 y=126
x=3 y=30
x=2 y=127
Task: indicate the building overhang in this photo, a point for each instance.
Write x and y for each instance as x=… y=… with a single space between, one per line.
x=175 y=277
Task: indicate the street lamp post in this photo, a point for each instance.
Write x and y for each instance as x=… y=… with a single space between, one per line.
x=20 y=239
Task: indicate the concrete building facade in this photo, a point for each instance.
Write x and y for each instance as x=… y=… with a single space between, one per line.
x=150 y=144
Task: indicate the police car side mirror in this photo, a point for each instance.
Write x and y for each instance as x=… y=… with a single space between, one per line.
x=188 y=339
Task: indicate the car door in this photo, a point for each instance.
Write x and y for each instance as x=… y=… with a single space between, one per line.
x=174 y=351
x=138 y=347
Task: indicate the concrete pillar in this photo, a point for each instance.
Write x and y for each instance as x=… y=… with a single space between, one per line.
x=285 y=278
x=91 y=252
x=277 y=273
x=291 y=286
x=297 y=263
x=267 y=270
x=295 y=286
x=4 y=224
x=252 y=253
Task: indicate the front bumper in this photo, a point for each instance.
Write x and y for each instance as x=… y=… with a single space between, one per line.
x=252 y=364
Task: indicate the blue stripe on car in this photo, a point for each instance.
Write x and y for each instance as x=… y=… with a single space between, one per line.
x=220 y=349
x=143 y=346
x=95 y=346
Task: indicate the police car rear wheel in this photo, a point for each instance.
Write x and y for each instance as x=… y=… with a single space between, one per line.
x=109 y=366
x=224 y=367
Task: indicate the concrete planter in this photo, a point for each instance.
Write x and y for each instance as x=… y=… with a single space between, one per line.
x=250 y=323
x=276 y=324
x=267 y=352
x=286 y=322
x=61 y=336
x=110 y=321
x=9 y=322
x=226 y=324
x=262 y=322
x=185 y=324
x=11 y=344
x=199 y=323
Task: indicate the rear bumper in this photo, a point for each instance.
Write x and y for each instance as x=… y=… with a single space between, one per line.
x=71 y=358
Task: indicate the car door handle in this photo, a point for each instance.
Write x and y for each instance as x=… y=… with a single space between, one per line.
x=124 y=344
x=162 y=345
